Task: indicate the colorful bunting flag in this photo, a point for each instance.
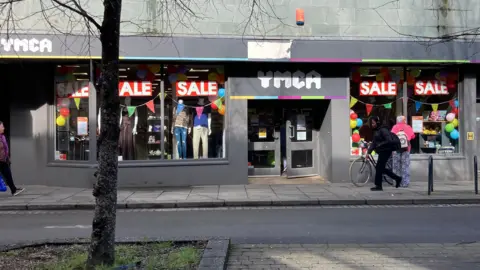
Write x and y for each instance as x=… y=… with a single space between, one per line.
x=199 y=111
x=418 y=105
x=131 y=110
x=387 y=106
x=434 y=107
x=180 y=108
x=369 y=108
x=151 y=106
x=353 y=101
x=77 y=102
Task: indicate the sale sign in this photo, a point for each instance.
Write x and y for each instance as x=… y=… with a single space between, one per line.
x=193 y=89
x=378 y=89
x=430 y=88
x=135 y=89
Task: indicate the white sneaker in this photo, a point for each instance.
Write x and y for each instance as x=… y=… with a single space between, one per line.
x=19 y=190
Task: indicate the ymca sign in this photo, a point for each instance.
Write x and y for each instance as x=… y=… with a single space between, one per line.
x=297 y=79
x=26 y=45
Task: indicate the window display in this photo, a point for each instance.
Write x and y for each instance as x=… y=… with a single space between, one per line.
x=194 y=112
x=140 y=121
x=433 y=109
x=71 y=114
x=374 y=91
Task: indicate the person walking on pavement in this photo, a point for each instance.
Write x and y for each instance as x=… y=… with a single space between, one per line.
x=384 y=143
x=401 y=158
x=5 y=163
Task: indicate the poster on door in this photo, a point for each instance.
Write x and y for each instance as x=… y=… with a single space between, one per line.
x=82 y=126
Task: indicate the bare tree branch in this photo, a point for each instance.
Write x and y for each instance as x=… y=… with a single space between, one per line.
x=80 y=11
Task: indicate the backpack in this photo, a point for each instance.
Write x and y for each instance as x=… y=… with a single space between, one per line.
x=403 y=139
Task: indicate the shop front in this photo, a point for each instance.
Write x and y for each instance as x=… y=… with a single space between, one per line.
x=188 y=120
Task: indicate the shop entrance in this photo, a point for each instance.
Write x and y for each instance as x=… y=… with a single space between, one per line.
x=283 y=137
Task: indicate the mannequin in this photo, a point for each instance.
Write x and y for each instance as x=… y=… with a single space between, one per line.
x=201 y=128
x=180 y=127
x=128 y=102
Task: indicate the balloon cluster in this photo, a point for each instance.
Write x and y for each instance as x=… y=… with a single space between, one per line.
x=355 y=122
x=64 y=113
x=385 y=74
x=451 y=127
x=217 y=101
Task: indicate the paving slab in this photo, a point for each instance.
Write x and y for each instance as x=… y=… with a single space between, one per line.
x=244 y=195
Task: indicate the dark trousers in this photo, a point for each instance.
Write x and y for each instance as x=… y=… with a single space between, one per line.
x=381 y=169
x=7 y=176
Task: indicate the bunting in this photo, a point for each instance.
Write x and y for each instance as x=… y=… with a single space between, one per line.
x=77 y=103
x=387 y=106
x=369 y=108
x=353 y=101
x=418 y=105
x=434 y=107
x=150 y=105
x=131 y=110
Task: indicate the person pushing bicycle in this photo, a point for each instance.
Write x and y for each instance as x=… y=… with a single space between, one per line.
x=384 y=143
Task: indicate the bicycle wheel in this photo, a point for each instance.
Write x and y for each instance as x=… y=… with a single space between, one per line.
x=389 y=166
x=362 y=176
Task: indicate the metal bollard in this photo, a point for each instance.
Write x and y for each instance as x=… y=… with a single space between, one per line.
x=475 y=173
x=430 y=175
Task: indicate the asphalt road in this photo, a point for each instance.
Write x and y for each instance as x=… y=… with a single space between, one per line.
x=268 y=225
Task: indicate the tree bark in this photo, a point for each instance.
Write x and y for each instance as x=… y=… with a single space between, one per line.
x=102 y=246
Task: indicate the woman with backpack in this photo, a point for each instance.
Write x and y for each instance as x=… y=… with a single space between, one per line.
x=384 y=143
x=401 y=158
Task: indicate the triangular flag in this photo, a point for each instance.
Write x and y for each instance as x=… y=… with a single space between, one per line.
x=180 y=108
x=199 y=111
x=452 y=103
x=418 y=105
x=387 y=106
x=218 y=102
x=151 y=106
x=77 y=102
x=353 y=101
x=131 y=110
x=435 y=107
x=369 y=108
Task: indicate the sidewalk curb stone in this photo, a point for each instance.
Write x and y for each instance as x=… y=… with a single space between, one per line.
x=239 y=203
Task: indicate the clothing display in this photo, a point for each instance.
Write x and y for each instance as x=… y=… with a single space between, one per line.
x=200 y=133
x=201 y=130
x=127 y=148
x=181 y=138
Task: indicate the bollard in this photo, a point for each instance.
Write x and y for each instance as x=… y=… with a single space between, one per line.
x=430 y=175
x=475 y=173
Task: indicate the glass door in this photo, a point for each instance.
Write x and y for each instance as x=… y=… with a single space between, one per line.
x=302 y=141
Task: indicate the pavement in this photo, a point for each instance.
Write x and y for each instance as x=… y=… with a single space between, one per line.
x=415 y=256
x=48 y=198
x=365 y=224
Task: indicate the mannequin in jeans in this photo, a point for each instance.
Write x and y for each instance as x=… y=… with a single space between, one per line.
x=181 y=122
x=5 y=163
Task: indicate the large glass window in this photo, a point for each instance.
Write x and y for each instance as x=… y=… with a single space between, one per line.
x=433 y=109
x=194 y=112
x=374 y=91
x=140 y=121
x=71 y=112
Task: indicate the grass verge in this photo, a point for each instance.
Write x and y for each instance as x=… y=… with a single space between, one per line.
x=148 y=256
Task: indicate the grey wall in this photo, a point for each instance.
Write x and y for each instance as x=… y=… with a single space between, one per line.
x=31 y=90
x=323 y=18
x=325 y=145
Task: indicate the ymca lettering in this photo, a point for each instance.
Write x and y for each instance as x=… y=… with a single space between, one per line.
x=286 y=79
x=27 y=45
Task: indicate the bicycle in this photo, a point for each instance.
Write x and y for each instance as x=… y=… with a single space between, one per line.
x=367 y=168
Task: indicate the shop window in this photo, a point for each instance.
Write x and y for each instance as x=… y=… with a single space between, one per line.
x=71 y=112
x=194 y=112
x=140 y=121
x=433 y=106
x=374 y=91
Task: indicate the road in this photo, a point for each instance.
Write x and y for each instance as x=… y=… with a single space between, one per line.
x=337 y=225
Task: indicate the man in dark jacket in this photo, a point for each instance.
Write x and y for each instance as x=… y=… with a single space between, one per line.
x=383 y=145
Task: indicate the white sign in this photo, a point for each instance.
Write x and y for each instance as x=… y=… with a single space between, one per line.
x=135 y=89
x=26 y=45
x=193 y=89
x=286 y=79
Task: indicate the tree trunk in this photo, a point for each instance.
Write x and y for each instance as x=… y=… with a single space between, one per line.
x=102 y=246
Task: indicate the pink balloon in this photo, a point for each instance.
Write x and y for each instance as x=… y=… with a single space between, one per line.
x=450 y=117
